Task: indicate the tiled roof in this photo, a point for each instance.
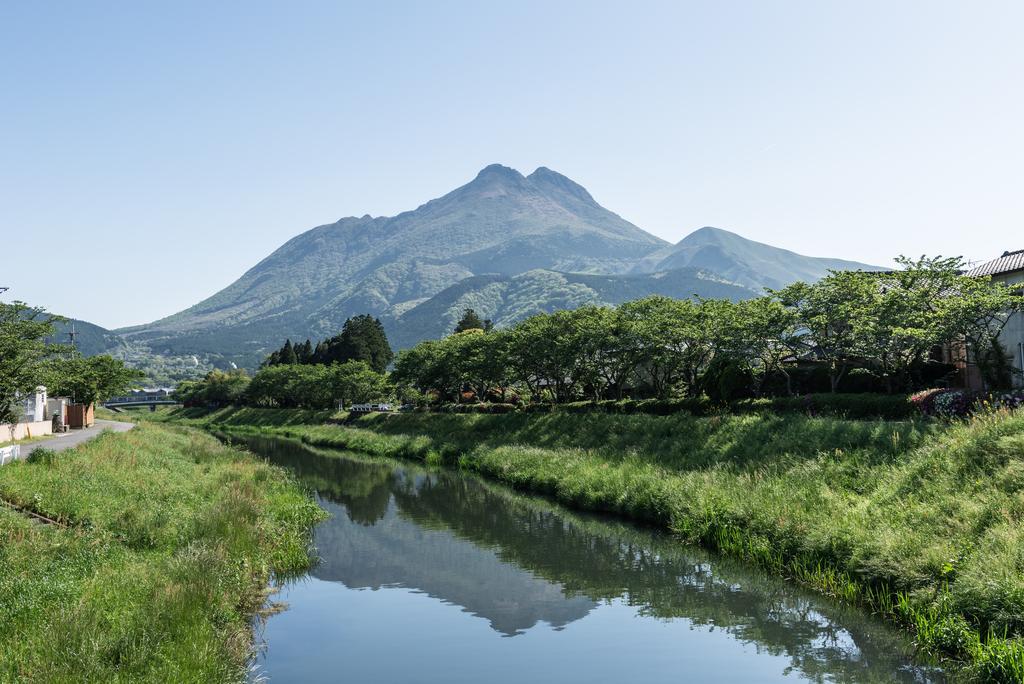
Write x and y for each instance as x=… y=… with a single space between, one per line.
x=1010 y=261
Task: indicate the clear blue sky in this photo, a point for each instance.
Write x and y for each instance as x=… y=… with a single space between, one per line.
x=183 y=143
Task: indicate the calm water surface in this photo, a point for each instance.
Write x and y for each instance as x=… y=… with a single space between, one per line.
x=436 y=576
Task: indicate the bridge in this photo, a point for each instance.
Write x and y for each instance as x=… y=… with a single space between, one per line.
x=118 y=403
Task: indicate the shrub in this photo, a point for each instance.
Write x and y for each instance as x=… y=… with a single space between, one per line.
x=953 y=404
x=924 y=401
x=42 y=455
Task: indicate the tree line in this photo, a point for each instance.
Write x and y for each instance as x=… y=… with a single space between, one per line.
x=362 y=338
x=889 y=331
x=879 y=330
x=348 y=368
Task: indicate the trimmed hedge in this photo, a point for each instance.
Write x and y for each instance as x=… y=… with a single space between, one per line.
x=860 y=406
x=478 y=408
x=856 y=406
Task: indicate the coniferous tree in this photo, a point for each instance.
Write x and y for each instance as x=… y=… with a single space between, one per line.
x=304 y=352
x=320 y=352
x=288 y=356
x=471 y=321
x=363 y=339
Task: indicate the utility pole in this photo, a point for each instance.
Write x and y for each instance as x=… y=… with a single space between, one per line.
x=72 y=334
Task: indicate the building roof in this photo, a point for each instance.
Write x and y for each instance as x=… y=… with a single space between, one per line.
x=1009 y=261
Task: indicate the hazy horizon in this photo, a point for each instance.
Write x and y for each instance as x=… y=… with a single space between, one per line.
x=177 y=146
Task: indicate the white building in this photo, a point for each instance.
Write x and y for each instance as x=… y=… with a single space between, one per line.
x=35 y=418
x=1009 y=269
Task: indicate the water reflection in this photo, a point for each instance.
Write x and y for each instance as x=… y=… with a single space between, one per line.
x=517 y=561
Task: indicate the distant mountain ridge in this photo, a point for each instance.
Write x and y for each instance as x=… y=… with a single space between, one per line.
x=506 y=244
x=745 y=262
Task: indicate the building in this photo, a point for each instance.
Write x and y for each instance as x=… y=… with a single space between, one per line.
x=36 y=418
x=1009 y=269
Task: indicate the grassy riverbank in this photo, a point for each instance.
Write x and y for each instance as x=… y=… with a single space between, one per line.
x=162 y=545
x=920 y=521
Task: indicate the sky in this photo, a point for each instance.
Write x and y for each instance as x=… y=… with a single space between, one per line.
x=151 y=153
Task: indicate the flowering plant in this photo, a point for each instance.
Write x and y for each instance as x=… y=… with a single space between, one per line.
x=955 y=403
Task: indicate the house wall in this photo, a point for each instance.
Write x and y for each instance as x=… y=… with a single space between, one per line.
x=24 y=430
x=1013 y=334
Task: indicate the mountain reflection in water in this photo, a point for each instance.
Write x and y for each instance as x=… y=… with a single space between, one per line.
x=517 y=561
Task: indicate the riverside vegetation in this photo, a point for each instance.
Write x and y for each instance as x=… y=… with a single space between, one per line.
x=916 y=520
x=159 y=550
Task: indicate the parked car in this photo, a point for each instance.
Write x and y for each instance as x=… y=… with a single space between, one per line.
x=369 y=408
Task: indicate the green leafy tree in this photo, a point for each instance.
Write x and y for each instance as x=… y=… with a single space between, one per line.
x=765 y=334
x=428 y=367
x=221 y=388
x=543 y=354
x=89 y=379
x=673 y=340
x=290 y=386
x=836 y=316
x=23 y=354
x=355 y=382
x=601 y=363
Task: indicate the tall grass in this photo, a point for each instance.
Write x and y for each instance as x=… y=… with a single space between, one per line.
x=921 y=522
x=170 y=540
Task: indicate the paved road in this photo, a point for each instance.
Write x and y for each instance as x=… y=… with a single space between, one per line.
x=73 y=438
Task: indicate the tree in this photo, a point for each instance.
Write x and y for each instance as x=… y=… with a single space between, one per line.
x=288 y=357
x=289 y=386
x=304 y=352
x=428 y=367
x=601 y=362
x=362 y=338
x=910 y=316
x=836 y=316
x=672 y=341
x=23 y=353
x=221 y=388
x=89 y=379
x=354 y=382
x=471 y=321
x=765 y=334
x=543 y=352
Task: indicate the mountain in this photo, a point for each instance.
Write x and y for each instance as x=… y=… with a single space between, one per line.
x=505 y=244
x=501 y=222
x=742 y=261
x=90 y=339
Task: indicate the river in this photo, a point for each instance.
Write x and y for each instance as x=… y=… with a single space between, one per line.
x=433 y=575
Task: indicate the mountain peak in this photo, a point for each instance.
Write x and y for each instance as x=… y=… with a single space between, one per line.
x=709 y=234
x=545 y=178
x=498 y=171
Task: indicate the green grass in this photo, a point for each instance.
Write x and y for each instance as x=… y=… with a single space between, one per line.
x=166 y=544
x=919 y=521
